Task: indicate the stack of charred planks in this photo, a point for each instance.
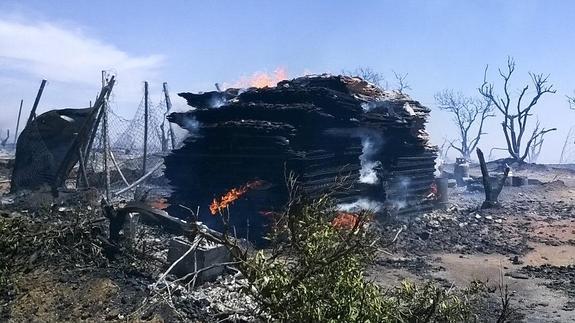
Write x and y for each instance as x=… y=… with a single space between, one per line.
x=327 y=130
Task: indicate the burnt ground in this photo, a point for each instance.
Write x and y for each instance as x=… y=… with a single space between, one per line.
x=54 y=267
x=527 y=244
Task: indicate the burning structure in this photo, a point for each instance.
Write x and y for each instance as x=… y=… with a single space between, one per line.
x=323 y=129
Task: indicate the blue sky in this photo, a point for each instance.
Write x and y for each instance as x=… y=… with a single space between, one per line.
x=193 y=44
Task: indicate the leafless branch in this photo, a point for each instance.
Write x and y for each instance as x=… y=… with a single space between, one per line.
x=370 y=75
x=401 y=80
x=514 y=124
x=467 y=113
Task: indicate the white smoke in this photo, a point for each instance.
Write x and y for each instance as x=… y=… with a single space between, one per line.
x=368 y=106
x=217 y=101
x=360 y=205
x=438 y=166
x=399 y=200
x=371 y=143
x=191 y=125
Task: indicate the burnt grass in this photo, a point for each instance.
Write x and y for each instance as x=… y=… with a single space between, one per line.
x=528 y=216
x=560 y=278
x=462 y=227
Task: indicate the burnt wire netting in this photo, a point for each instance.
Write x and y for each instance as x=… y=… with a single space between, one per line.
x=42 y=166
x=126 y=138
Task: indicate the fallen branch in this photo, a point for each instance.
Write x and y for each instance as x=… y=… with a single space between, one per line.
x=162 y=278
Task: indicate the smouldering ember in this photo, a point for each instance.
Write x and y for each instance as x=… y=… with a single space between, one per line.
x=345 y=220
x=230 y=197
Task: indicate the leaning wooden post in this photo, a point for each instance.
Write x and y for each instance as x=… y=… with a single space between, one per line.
x=36 y=101
x=491 y=193
x=18 y=122
x=105 y=140
x=81 y=137
x=145 y=127
x=168 y=108
x=82 y=169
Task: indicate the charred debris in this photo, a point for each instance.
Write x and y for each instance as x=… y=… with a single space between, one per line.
x=337 y=134
x=326 y=130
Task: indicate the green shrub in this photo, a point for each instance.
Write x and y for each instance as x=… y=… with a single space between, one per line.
x=314 y=272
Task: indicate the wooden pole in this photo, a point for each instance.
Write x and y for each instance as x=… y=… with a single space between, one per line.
x=82 y=168
x=145 y=127
x=18 y=122
x=168 y=108
x=82 y=136
x=88 y=149
x=36 y=101
x=105 y=139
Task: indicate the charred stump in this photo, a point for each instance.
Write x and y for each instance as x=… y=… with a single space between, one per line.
x=492 y=189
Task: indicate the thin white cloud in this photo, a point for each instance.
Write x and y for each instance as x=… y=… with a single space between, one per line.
x=71 y=61
x=53 y=52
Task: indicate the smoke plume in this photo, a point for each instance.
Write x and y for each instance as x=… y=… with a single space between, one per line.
x=371 y=143
x=360 y=205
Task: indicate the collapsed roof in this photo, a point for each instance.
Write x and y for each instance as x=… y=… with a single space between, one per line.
x=324 y=129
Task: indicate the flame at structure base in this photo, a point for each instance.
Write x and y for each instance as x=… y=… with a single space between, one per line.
x=230 y=197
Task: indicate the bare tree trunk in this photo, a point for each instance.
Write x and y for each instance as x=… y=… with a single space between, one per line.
x=491 y=193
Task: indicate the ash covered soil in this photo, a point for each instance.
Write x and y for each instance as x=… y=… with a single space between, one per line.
x=527 y=244
x=56 y=266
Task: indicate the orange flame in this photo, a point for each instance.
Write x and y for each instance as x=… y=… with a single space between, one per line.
x=262 y=79
x=230 y=197
x=345 y=220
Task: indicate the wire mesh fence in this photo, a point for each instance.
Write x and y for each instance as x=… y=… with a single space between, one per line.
x=127 y=145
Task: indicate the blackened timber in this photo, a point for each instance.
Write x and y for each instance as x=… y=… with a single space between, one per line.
x=329 y=131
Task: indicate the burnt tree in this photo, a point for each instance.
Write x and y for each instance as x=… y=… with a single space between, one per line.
x=469 y=115
x=5 y=140
x=492 y=187
x=401 y=80
x=370 y=75
x=516 y=114
x=535 y=149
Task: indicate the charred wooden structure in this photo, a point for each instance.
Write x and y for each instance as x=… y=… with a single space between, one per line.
x=325 y=129
x=52 y=143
